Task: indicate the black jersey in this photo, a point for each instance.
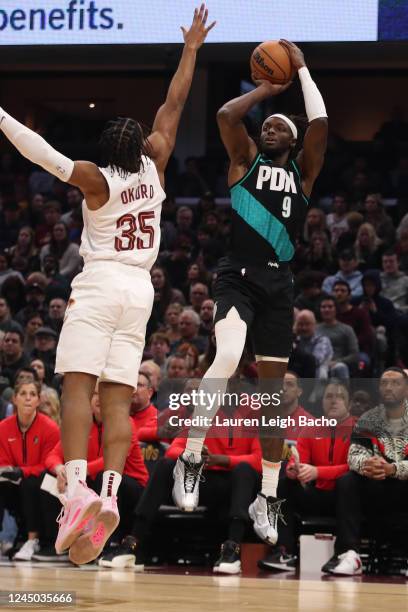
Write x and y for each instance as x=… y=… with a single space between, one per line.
x=268 y=212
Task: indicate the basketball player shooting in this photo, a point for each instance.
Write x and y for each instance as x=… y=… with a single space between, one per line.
x=103 y=334
x=270 y=189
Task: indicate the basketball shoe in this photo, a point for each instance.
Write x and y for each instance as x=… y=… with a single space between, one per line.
x=265 y=512
x=77 y=511
x=124 y=555
x=349 y=565
x=91 y=543
x=229 y=561
x=187 y=477
x=279 y=560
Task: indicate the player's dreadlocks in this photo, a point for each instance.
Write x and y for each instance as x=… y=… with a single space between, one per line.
x=122 y=144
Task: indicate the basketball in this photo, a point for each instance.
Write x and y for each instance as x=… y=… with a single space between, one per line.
x=270 y=60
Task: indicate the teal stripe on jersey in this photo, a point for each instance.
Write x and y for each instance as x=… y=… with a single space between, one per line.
x=263 y=222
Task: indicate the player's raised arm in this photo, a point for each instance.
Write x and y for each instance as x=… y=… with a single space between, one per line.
x=163 y=136
x=311 y=158
x=240 y=147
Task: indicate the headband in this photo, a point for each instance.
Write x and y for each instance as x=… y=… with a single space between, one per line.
x=289 y=122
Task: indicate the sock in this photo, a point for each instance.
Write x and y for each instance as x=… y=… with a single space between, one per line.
x=236 y=530
x=270 y=477
x=194 y=446
x=76 y=471
x=110 y=483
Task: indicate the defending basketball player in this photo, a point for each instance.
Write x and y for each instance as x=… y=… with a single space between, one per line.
x=104 y=330
x=270 y=188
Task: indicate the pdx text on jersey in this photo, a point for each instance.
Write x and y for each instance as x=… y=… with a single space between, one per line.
x=279 y=179
x=132 y=194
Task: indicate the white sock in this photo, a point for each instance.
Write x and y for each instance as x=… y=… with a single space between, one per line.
x=194 y=446
x=76 y=471
x=110 y=483
x=270 y=477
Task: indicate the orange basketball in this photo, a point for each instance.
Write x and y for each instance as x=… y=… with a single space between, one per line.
x=271 y=61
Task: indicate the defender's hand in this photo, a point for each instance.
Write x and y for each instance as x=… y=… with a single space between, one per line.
x=196 y=35
x=296 y=55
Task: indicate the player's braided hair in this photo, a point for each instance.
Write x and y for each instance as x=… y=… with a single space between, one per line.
x=122 y=144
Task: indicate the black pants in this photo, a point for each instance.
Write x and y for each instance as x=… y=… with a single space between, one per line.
x=302 y=500
x=222 y=491
x=33 y=509
x=359 y=496
x=129 y=494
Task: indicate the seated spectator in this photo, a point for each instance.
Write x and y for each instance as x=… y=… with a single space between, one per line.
x=311 y=483
x=44 y=373
x=164 y=294
x=191 y=355
x=56 y=285
x=74 y=202
x=65 y=251
x=35 y=303
x=5 y=314
x=50 y=404
x=171 y=321
x=336 y=221
x=189 y=324
x=45 y=345
x=52 y=215
x=26 y=438
x=153 y=372
x=377 y=481
x=12 y=357
x=347 y=239
x=347 y=272
x=25 y=247
x=368 y=247
x=232 y=480
x=177 y=372
x=196 y=273
x=315 y=222
x=360 y=403
x=142 y=411
x=376 y=216
x=6 y=271
x=343 y=340
x=309 y=283
x=290 y=406
x=10 y=224
x=401 y=249
x=34 y=322
x=134 y=477
x=56 y=313
x=159 y=348
x=206 y=318
x=177 y=261
x=394 y=282
x=309 y=341
x=357 y=318
x=318 y=256
x=198 y=294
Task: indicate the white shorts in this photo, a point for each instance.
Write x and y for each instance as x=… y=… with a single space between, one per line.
x=105 y=323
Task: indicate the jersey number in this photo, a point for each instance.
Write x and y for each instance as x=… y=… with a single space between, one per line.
x=129 y=225
x=286 y=207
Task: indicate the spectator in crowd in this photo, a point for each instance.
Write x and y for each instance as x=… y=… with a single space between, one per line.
x=378 y=480
x=375 y=215
x=309 y=283
x=184 y=220
x=318 y=256
x=191 y=356
x=347 y=272
x=357 y=318
x=346 y=240
x=6 y=271
x=44 y=373
x=25 y=247
x=312 y=480
x=74 y=202
x=191 y=182
x=56 y=312
x=152 y=370
x=142 y=411
x=50 y=404
x=34 y=302
x=394 y=282
x=55 y=284
x=159 y=348
x=206 y=318
x=360 y=403
x=171 y=321
x=315 y=222
x=401 y=249
x=45 y=345
x=336 y=221
x=66 y=252
x=13 y=290
x=198 y=294
x=5 y=315
x=26 y=438
x=290 y=406
x=343 y=340
x=164 y=294
x=52 y=215
x=196 y=273
x=9 y=225
x=368 y=247
x=309 y=341
x=34 y=322
x=206 y=204
x=189 y=324
x=13 y=357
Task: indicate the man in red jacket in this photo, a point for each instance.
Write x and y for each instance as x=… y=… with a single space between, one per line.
x=231 y=480
x=142 y=411
x=25 y=440
x=312 y=473
x=134 y=478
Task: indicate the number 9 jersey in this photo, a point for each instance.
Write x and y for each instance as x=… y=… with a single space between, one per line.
x=268 y=212
x=127 y=228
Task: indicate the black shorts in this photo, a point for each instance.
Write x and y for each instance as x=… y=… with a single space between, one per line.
x=263 y=297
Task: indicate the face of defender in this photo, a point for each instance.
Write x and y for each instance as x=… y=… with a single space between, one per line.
x=276 y=137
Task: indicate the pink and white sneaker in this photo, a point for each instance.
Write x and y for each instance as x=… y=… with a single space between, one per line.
x=77 y=511
x=91 y=543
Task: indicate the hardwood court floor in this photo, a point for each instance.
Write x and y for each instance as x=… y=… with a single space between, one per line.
x=125 y=591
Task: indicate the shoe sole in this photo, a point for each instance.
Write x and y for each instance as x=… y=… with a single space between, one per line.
x=89 y=546
x=252 y=516
x=88 y=513
x=334 y=573
x=130 y=563
x=228 y=568
x=276 y=566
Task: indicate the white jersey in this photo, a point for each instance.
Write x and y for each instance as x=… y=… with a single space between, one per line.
x=127 y=228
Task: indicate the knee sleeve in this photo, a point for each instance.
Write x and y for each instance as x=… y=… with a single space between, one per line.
x=230 y=334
